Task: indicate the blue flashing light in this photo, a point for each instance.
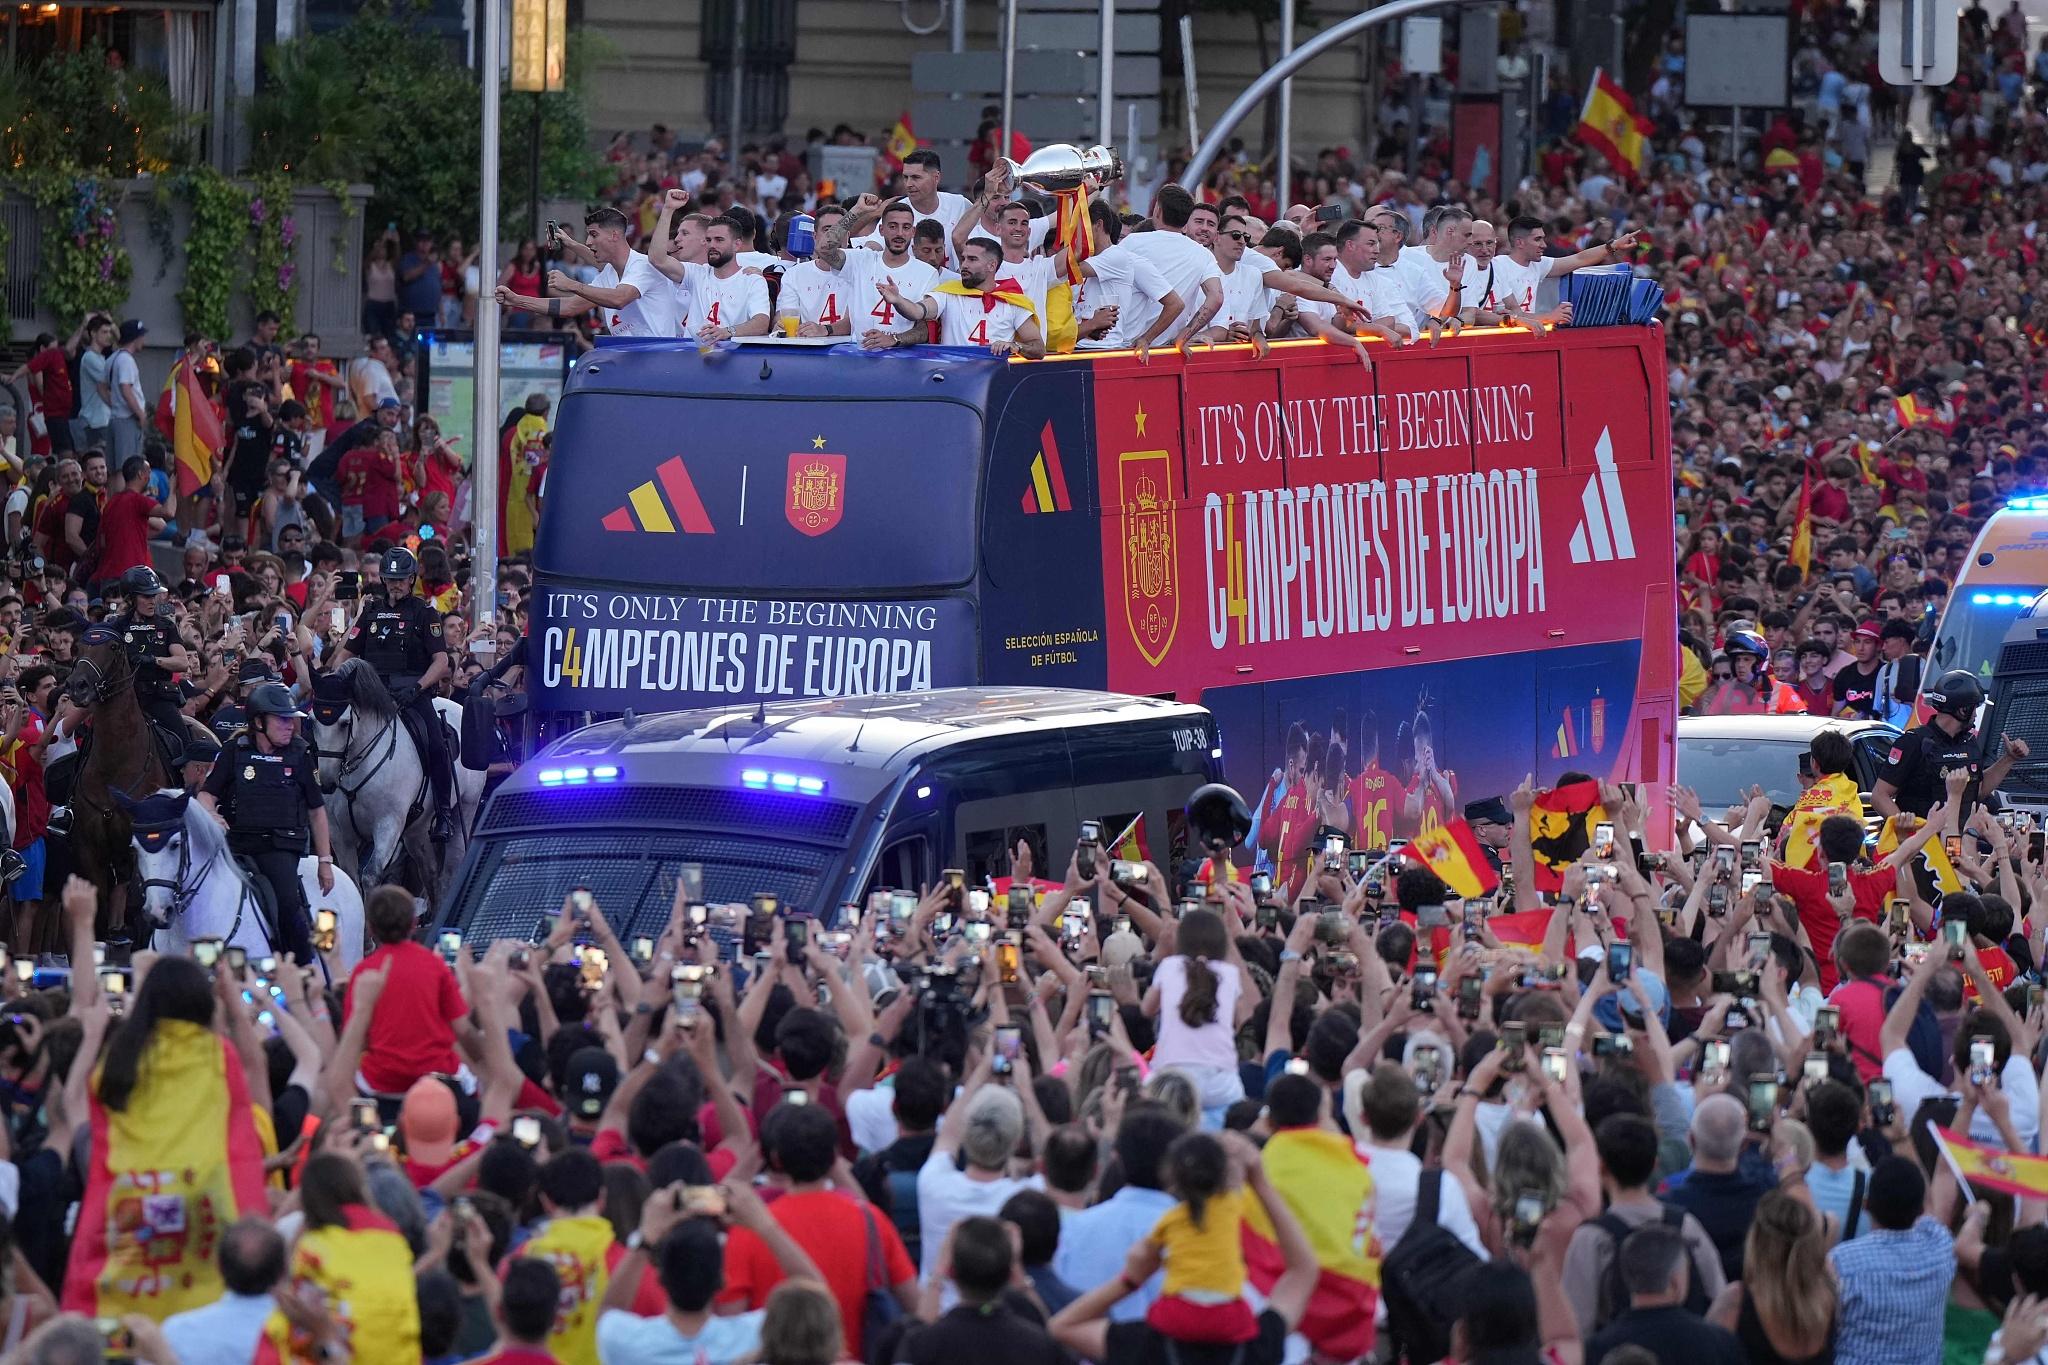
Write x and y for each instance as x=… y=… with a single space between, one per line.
x=923 y=792
x=760 y=779
x=1997 y=599
x=577 y=777
x=2036 y=502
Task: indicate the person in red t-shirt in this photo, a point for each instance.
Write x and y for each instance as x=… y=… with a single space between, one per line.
x=49 y=389
x=1823 y=912
x=840 y=1231
x=413 y=1032
x=370 y=483
x=132 y=515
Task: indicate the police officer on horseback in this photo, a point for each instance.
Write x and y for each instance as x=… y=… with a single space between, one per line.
x=400 y=637
x=156 y=652
x=265 y=788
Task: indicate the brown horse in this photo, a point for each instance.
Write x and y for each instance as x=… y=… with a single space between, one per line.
x=123 y=756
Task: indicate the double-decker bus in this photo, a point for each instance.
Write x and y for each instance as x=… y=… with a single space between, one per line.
x=1397 y=589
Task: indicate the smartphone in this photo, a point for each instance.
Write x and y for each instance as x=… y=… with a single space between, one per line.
x=1955 y=933
x=690 y=877
x=1529 y=1211
x=1752 y=852
x=363 y=1114
x=326 y=925
x=1739 y=984
x=1603 y=841
x=1009 y=1042
x=1333 y=853
x=348 y=585
x=1356 y=862
x=1074 y=922
x=1759 y=946
x=223 y=586
x=543 y=928
x=1814 y=1067
x=1262 y=883
x=451 y=944
x=1470 y=990
x=1838 y=878
x=1899 y=911
x=267 y=966
x=1101 y=1009
x=205 y=951
x=1714 y=1057
x=1021 y=903
x=642 y=949
x=1009 y=961
x=977 y=902
x=703 y=1201
x=1983 y=1061
x=955 y=882
x=2035 y=845
x=902 y=909
x=1084 y=848
x=1952 y=844
x=1331 y=930
x=1128 y=874
x=238 y=960
x=114 y=985
x=1514 y=1038
x=1752 y=878
x=116 y=1341
x=1474 y=923
x=1724 y=859
x=1424 y=990
x=1620 y=958
x=526 y=1131
x=1879 y=1093
x=761 y=921
x=1763 y=1103
x=1431 y=917
x=1331 y=213
x=1827 y=1024
x=686 y=989
x=25 y=968
x=591 y=965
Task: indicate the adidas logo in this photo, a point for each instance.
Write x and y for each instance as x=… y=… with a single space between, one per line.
x=646 y=510
x=1603 y=532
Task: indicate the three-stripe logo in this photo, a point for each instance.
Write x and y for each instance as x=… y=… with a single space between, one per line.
x=1603 y=533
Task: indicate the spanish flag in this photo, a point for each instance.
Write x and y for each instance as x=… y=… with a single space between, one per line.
x=1611 y=126
x=1801 y=553
x=901 y=143
x=1328 y=1186
x=1005 y=290
x=1909 y=412
x=1560 y=829
x=168 y=1175
x=1834 y=794
x=1452 y=852
x=1130 y=845
x=1993 y=1168
x=580 y=1250
x=197 y=437
x=1932 y=853
x=362 y=1271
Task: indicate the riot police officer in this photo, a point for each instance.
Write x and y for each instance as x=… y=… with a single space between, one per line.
x=266 y=790
x=155 y=650
x=1914 y=775
x=399 y=635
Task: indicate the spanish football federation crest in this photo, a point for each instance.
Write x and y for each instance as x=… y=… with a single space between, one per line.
x=1151 y=587
x=817 y=492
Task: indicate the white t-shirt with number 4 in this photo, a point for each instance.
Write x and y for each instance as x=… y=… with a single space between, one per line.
x=967 y=320
x=713 y=302
x=814 y=294
x=653 y=314
x=864 y=272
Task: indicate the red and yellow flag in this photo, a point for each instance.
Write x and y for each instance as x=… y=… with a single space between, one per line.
x=1560 y=828
x=1452 y=852
x=362 y=1272
x=1933 y=853
x=1328 y=1186
x=1993 y=1168
x=1834 y=794
x=1909 y=412
x=1611 y=126
x=1130 y=845
x=580 y=1251
x=1801 y=553
x=901 y=143
x=197 y=438
x=169 y=1174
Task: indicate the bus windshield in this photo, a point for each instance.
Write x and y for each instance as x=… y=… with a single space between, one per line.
x=721 y=493
x=1975 y=626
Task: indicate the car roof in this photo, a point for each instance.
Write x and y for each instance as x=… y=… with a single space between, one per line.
x=869 y=732
x=1778 y=729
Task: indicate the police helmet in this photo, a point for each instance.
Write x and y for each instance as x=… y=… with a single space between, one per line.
x=273 y=699
x=1955 y=693
x=399 y=563
x=1746 y=642
x=142 y=581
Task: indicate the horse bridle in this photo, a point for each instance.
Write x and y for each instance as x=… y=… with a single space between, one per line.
x=183 y=894
x=389 y=734
x=105 y=683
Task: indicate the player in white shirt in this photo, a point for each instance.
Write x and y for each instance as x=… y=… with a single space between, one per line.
x=1356 y=278
x=1312 y=317
x=630 y=296
x=1431 y=276
x=1117 y=282
x=1515 y=274
x=973 y=318
x=927 y=200
x=1251 y=279
x=811 y=294
x=725 y=301
x=872 y=276
x=1189 y=268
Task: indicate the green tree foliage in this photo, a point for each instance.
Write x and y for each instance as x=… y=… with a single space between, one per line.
x=380 y=100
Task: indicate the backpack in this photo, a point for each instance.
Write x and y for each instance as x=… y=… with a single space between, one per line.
x=1613 y=1295
x=1422 y=1279
x=880 y=1310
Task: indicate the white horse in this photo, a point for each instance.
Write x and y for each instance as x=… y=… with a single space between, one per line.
x=374 y=778
x=192 y=888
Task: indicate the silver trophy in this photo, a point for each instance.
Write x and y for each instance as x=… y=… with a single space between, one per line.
x=1063 y=166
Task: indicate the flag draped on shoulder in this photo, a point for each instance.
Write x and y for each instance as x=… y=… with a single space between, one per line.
x=361 y=1270
x=1560 y=829
x=1452 y=852
x=1610 y=125
x=1932 y=853
x=1002 y=291
x=1834 y=794
x=169 y=1174
x=1328 y=1186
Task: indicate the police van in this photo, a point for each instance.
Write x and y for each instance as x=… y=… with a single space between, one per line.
x=820 y=802
x=2006 y=570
